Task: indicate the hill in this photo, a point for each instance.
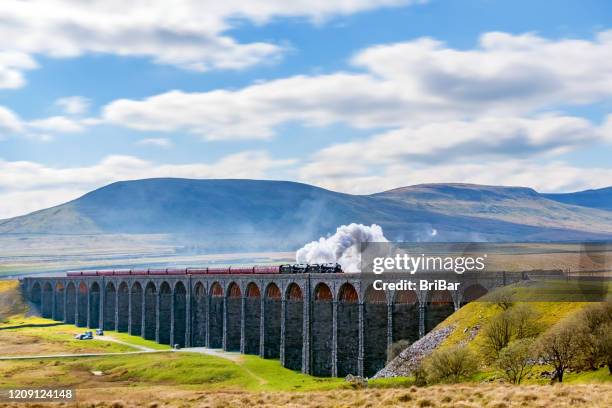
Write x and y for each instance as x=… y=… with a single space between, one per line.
x=277 y=214
x=600 y=198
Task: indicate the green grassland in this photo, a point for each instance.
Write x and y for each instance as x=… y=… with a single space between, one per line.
x=192 y=372
x=173 y=368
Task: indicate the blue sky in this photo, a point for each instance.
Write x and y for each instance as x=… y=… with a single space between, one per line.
x=356 y=96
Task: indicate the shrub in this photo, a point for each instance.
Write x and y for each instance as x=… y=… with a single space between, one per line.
x=396 y=348
x=516 y=360
x=450 y=365
x=420 y=375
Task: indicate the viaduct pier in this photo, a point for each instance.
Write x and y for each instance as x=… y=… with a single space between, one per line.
x=319 y=324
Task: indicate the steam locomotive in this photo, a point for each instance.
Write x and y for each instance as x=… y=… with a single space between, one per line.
x=233 y=270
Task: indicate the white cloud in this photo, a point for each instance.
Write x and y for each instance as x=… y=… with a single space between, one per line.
x=544 y=177
x=39 y=129
x=420 y=81
x=51 y=185
x=156 y=141
x=451 y=141
x=12 y=63
x=186 y=33
x=57 y=124
x=9 y=122
x=74 y=105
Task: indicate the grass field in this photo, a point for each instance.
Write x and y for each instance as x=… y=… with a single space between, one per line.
x=185 y=379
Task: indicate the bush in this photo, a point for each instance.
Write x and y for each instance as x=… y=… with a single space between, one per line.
x=420 y=375
x=516 y=360
x=396 y=348
x=450 y=365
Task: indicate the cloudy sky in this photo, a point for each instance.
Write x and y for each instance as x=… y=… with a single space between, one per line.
x=352 y=95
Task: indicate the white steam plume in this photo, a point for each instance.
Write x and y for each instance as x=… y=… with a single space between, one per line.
x=342 y=247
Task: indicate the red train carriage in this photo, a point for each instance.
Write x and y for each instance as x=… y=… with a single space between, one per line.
x=234 y=270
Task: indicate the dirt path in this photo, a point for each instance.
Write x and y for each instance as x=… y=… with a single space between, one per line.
x=125 y=343
x=80 y=355
x=228 y=355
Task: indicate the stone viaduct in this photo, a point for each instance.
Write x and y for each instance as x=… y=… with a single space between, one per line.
x=320 y=324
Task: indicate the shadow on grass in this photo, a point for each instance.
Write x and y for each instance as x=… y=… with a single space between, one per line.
x=23 y=326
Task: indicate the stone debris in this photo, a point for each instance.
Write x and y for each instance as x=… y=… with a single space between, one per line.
x=356 y=381
x=409 y=359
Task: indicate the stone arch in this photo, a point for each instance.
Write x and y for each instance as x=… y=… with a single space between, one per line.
x=375 y=330
x=150 y=311
x=252 y=319
x=234 y=317
x=405 y=316
x=199 y=311
x=347 y=331
x=322 y=331
x=71 y=303
x=164 y=314
x=439 y=306
x=294 y=327
x=272 y=320
x=58 y=312
x=179 y=313
x=94 y=306
x=472 y=292
x=82 y=304
x=323 y=292
x=123 y=307
x=216 y=325
x=36 y=296
x=136 y=302
x=110 y=299
x=47 y=300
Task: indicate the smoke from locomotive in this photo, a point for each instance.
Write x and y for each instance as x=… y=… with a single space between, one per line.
x=343 y=247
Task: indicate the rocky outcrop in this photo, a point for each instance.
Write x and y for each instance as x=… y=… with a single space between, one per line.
x=409 y=359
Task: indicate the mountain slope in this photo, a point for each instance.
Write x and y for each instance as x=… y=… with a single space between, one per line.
x=601 y=198
x=279 y=214
x=512 y=204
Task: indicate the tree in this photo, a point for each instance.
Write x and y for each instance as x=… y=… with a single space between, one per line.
x=516 y=360
x=502 y=298
x=604 y=343
x=524 y=320
x=591 y=323
x=451 y=364
x=559 y=347
x=497 y=334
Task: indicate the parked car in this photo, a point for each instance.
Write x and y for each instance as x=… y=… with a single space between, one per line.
x=99 y=332
x=84 y=336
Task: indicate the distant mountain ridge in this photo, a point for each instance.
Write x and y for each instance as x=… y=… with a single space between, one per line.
x=282 y=214
x=599 y=198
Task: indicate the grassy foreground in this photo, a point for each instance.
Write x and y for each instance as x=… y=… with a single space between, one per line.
x=183 y=379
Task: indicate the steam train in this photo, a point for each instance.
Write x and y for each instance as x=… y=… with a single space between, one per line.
x=241 y=270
